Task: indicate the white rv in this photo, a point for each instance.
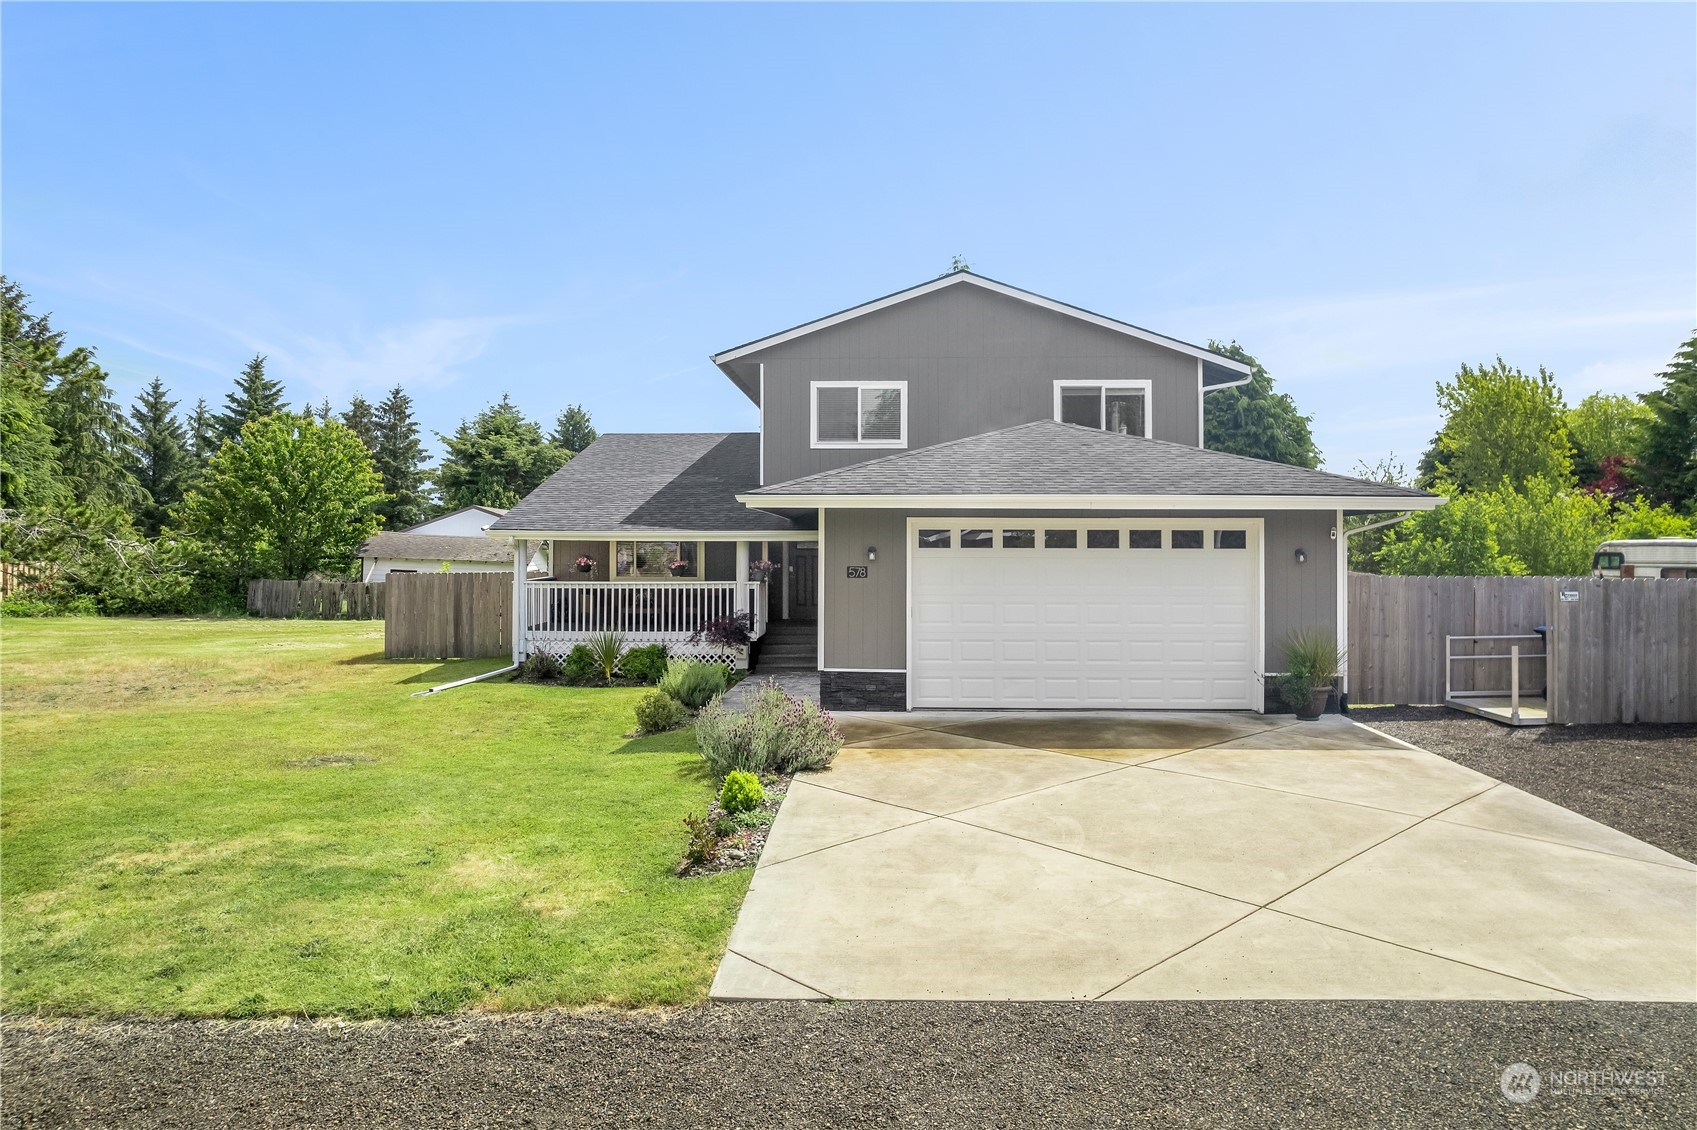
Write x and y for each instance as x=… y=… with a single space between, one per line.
x=1657 y=557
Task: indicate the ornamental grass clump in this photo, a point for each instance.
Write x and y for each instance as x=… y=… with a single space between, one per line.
x=692 y=682
x=777 y=734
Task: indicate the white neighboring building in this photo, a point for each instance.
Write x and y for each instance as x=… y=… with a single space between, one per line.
x=454 y=543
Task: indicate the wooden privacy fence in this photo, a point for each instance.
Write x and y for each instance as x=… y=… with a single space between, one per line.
x=1619 y=650
x=315 y=600
x=448 y=615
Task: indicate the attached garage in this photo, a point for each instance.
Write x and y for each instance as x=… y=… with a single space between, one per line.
x=1080 y=613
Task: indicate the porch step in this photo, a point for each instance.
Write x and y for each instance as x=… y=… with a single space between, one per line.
x=789 y=645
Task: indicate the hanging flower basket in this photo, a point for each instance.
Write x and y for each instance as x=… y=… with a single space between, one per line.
x=682 y=568
x=760 y=570
x=586 y=564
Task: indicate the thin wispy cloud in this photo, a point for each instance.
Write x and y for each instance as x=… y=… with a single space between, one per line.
x=425 y=355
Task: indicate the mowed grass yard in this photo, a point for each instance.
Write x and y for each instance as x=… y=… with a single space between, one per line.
x=253 y=817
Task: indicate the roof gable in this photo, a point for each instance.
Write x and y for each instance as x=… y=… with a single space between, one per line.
x=967 y=278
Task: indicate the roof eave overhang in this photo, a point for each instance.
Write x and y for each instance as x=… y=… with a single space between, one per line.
x=656 y=534
x=1366 y=504
x=963 y=277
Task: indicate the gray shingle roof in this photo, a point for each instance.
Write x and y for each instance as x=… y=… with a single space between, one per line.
x=1050 y=458
x=435 y=547
x=650 y=482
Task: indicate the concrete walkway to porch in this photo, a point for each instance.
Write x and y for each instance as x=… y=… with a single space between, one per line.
x=1145 y=856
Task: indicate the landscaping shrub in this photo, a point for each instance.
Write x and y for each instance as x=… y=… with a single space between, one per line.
x=580 y=665
x=778 y=734
x=741 y=793
x=658 y=712
x=606 y=649
x=540 y=667
x=703 y=846
x=728 y=631
x=693 y=682
x=645 y=664
x=28 y=604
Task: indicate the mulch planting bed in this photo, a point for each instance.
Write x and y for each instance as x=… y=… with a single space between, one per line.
x=742 y=847
x=1641 y=779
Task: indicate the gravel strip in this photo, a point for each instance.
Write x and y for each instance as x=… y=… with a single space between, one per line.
x=1639 y=779
x=1226 y=1064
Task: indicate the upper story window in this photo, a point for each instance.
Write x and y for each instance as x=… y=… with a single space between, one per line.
x=1116 y=406
x=859 y=413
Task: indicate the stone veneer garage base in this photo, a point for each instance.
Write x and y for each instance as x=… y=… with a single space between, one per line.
x=1159 y=856
x=863 y=690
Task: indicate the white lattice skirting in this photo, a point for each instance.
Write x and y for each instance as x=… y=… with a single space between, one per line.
x=560 y=643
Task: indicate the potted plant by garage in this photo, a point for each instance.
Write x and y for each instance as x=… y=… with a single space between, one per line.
x=1312 y=661
x=586 y=564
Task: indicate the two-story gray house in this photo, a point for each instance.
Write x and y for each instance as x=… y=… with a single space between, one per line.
x=961 y=495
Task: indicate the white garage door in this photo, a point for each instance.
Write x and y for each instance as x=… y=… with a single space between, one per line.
x=1076 y=613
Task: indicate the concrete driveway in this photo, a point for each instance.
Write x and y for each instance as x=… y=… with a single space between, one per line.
x=1126 y=857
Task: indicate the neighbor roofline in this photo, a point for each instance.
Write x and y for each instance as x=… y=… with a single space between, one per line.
x=1373 y=503
x=959 y=277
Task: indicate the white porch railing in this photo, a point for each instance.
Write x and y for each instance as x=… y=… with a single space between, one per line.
x=558 y=614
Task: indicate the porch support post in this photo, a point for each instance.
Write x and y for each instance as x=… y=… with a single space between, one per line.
x=521 y=574
x=742 y=577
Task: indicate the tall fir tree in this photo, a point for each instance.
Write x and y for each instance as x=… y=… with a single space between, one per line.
x=1667 y=459
x=361 y=420
x=29 y=461
x=90 y=435
x=496 y=458
x=254 y=397
x=204 y=436
x=572 y=431
x=399 y=457
x=160 y=458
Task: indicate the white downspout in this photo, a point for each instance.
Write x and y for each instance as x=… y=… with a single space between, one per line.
x=521 y=573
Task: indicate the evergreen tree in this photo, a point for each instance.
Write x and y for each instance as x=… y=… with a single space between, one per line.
x=323 y=412
x=160 y=458
x=29 y=348
x=254 y=397
x=572 y=431
x=1254 y=420
x=1667 y=457
x=399 y=457
x=204 y=437
x=496 y=459
x=361 y=421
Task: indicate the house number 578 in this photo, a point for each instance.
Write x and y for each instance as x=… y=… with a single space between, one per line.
x=856 y=572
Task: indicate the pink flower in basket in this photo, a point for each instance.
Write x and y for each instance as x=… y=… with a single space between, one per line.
x=585 y=563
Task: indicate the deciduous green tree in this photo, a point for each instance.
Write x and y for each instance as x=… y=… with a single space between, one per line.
x=1640 y=519
x=1604 y=425
x=572 y=431
x=1501 y=424
x=254 y=397
x=293 y=497
x=1667 y=460
x=1549 y=529
x=399 y=457
x=1255 y=420
x=496 y=458
x=1457 y=539
x=159 y=456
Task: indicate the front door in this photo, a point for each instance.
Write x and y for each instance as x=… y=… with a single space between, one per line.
x=803 y=581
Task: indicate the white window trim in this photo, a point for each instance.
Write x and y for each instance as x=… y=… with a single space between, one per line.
x=813 y=414
x=1144 y=387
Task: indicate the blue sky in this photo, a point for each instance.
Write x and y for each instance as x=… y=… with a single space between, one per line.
x=580 y=203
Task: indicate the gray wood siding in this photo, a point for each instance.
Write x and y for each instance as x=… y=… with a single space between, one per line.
x=865 y=621
x=974 y=361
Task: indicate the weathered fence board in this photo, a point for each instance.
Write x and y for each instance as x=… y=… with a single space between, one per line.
x=1621 y=651
x=1627 y=650
x=316 y=600
x=448 y=615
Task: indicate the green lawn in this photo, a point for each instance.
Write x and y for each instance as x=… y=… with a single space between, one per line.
x=249 y=817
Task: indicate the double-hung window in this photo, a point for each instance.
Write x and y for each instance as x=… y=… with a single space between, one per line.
x=859 y=413
x=1108 y=406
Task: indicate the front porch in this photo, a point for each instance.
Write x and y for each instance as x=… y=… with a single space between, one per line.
x=558 y=615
